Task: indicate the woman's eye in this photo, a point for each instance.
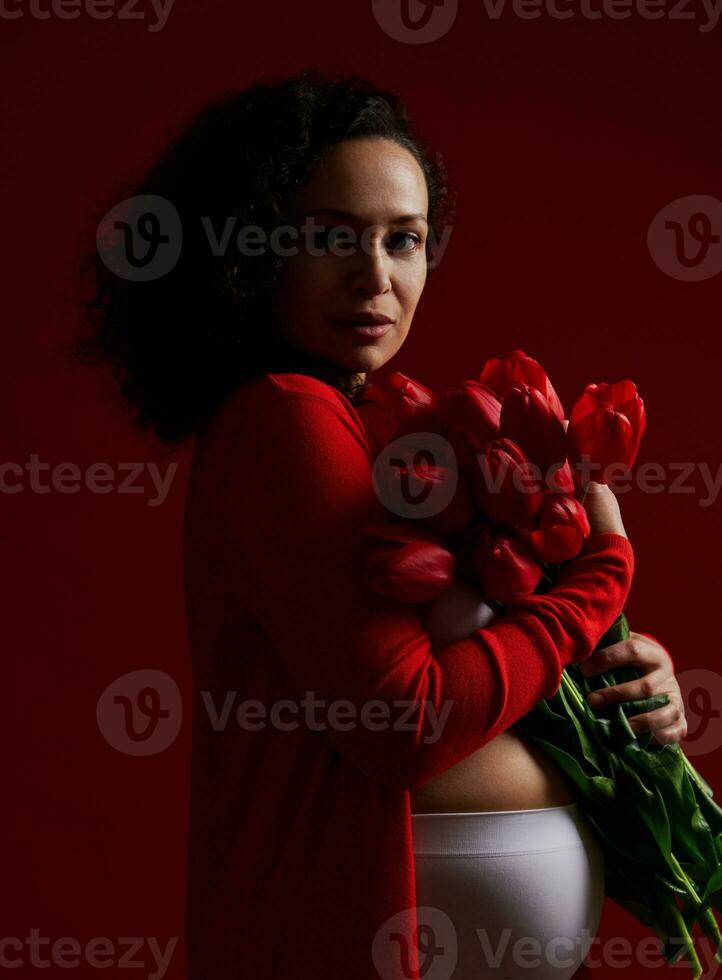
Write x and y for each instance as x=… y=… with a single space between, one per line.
x=414 y=241
x=338 y=242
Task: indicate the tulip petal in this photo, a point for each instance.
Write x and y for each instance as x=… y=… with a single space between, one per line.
x=500 y=373
x=415 y=572
x=506 y=488
x=528 y=420
x=505 y=567
x=606 y=425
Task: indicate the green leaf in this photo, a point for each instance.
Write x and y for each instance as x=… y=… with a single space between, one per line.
x=667 y=770
x=713 y=891
x=654 y=815
x=637 y=707
x=627 y=847
x=648 y=805
x=703 y=794
x=615 y=730
x=585 y=744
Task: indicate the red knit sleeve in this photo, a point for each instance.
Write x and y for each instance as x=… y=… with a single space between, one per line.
x=294 y=497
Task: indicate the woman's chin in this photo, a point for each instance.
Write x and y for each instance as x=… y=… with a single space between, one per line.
x=365 y=358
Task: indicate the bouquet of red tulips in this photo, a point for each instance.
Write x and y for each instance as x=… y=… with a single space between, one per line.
x=482 y=484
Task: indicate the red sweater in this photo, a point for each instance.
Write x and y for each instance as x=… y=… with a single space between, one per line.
x=300 y=852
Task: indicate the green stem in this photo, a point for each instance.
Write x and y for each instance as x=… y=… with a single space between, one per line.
x=676 y=867
x=693 y=774
x=708 y=925
x=584 y=495
x=571 y=690
x=688 y=941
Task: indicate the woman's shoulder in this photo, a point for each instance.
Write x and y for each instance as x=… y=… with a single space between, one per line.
x=283 y=400
x=276 y=385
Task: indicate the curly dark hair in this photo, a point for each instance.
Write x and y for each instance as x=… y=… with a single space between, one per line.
x=179 y=343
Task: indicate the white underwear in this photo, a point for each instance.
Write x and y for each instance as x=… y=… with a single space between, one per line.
x=506 y=894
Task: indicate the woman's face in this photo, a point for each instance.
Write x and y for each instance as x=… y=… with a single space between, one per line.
x=372 y=192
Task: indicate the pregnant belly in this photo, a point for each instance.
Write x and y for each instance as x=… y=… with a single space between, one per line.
x=508 y=773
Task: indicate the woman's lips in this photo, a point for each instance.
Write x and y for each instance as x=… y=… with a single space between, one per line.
x=365 y=329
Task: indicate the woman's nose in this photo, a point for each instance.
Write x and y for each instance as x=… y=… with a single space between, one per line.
x=370 y=272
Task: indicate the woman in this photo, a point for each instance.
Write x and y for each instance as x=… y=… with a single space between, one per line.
x=322 y=720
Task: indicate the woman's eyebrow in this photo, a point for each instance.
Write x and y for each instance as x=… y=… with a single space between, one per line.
x=338 y=213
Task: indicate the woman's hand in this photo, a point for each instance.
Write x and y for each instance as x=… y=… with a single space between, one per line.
x=667 y=724
x=602 y=509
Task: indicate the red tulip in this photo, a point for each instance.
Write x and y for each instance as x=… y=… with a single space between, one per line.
x=528 y=419
x=412 y=392
x=606 y=426
x=560 y=479
x=419 y=483
x=416 y=571
x=505 y=486
x=562 y=526
x=472 y=414
x=474 y=409
x=396 y=405
x=505 y=567
x=500 y=373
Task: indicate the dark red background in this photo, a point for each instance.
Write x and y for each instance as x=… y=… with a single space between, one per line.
x=564 y=138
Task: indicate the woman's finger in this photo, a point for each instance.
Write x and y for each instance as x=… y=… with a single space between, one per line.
x=636 y=690
x=674 y=733
x=657 y=720
x=637 y=652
